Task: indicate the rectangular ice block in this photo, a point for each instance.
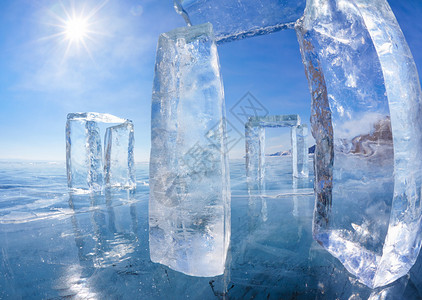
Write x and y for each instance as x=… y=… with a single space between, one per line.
x=275 y=121
x=189 y=208
x=84 y=157
x=299 y=136
x=255 y=155
x=118 y=159
x=236 y=19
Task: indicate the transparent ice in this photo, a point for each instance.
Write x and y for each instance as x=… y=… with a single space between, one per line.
x=236 y=19
x=118 y=158
x=189 y=208
x=365 y=117
x=299 y=138
x=86 y=168
x=255 y=145
x=58 y=245
x=366 y=106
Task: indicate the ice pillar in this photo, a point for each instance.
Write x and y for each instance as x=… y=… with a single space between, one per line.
x=255 y=154
x=83 y=154
x=119 y=160
x=189 y=208
x=299 y=136
x=366 y=107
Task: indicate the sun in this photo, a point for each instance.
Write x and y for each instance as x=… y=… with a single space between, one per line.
x=76 y=30
x=75 y=27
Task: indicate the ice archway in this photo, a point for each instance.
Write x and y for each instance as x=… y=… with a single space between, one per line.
x=366 y=103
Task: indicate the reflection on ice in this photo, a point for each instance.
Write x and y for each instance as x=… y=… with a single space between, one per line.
x=73 y=283
x=104 y=242
x=78 y=255
x=392 y=291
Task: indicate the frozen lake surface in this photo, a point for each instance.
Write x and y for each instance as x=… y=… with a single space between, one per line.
x=57 y=245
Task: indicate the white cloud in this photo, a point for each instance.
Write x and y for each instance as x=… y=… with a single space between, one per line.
x=362 y=124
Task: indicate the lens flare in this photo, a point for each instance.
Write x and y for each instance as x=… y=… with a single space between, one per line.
x=78 y=27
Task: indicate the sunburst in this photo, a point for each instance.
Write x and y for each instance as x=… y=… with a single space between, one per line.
x=76 y=27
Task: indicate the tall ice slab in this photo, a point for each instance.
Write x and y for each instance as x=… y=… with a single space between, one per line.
x=119 y=161
x=189 y=208
x=299 y=138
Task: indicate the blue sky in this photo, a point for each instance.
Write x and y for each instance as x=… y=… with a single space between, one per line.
x=42 y=79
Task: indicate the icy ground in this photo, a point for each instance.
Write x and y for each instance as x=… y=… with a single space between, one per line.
x=56 y=245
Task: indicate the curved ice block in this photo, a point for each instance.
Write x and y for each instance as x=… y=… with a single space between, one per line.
x=189 y=208
x=366 y=108
x=237 y=19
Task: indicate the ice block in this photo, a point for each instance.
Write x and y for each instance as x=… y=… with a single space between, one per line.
x=299 y=136
x=119 y=162
x=366 y=106
x=189 y=208
x=255 y=146
x=84 y=156
x=237 y=19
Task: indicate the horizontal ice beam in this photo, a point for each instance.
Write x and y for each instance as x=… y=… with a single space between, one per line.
x=275 y=121
x=96 y=117
x=238 y=19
